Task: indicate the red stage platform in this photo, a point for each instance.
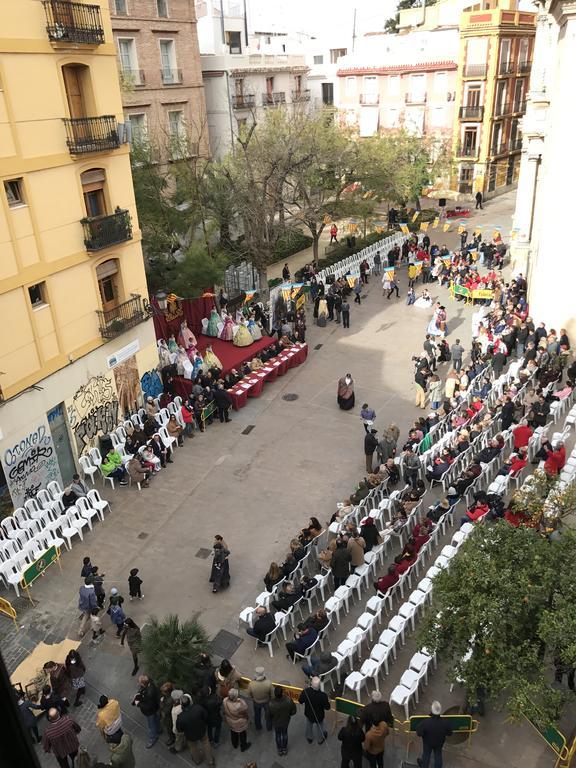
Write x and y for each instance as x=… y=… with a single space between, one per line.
x=231 y=356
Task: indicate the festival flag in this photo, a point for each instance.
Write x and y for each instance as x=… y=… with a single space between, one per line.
x=497 y=234
x=478 y=230
x=424 y=225
x=446 y=226
x=404 y=228
x=436 y=222
x=351 y=281
x=326 y=219
x=249 y=296
x=447 y=261
x=418 y=268
x=415 y=216
x=461 y=228
x=514 y=233
x=388 y=273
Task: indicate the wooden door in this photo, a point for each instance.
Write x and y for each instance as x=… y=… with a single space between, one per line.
x=108 y=292
x=74 y=95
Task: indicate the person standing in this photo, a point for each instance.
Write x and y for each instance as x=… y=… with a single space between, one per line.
x=420 y=381
x=148 y=701
x=345 y=396
x=61 y=738
x=115 y=610
x=370 y=445
x=76 y=670
x=340 y=563
x=212 y=703
x=393 y=286
x=479 y=198
x=260 y=691
x=433 y=732
x=220 y=571
x=345 y=313
x=338 y=305
x=131 y=633
x=223 y=401
x=109 y=718
x=316 y=704
x=374 y=743
x=352 y=738
x=193 y=723
x=286 y=273
x=357 y=291
x=377 y=263
x=282 y=709
x=236 y=716
x=333 y=234
x=28 y=717
x=166 y=711
x=456 y=351
x=121 y=754
x=86 y=603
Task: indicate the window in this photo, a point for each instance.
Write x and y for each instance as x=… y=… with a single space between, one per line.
x=394 y=85
x=466 y=174
x=121 y=7
x=162 y=8
x=107 y=275
x=129 y=61
x=441 y=82
x=505 y=51
x=392 y=119
x=472 y=97
x=37 y=294
x=234 y=42
x=518 y=95
x=469 y=143
x=351 y=86
x=523 y=48
x=327 y=93
x=298 y=83
x=336 y=53
x=500 y=97
x=93 y=182
x=417 y=88
x=269 y=86
x=14 y=192
x=496 y=138
x=177 y=132
x=239 y=86
x=168 y=62
x=437 y=117
x=318 y=59
x=139 y=124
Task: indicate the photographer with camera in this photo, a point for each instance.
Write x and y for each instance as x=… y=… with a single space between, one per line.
x=148 y=701
x=420 y=382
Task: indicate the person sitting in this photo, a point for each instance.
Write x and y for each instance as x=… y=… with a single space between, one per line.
x=314 y=528
x=298 y=551
x=175 y=430
x=384 y=583
x=149 y=460
x=137 y=471
x=421 y=534
x=318 y=620
x=263 y=625
x=476 y=512
x=286 y=598
x=151 y=407
x=78 y=486
x=150 y=426
x=161 y=451
x=69 y=498
x=112 y=467
x=406 y=560
x=467 y=477
x=515 y=464
x=273 y=576
x=555 y=459
x=320 y=665
x=440 y=465
x=307 y=584
x=289 y=565
x=304 y=638
x=369 y=533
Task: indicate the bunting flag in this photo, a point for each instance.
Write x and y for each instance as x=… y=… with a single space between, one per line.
x=326 y=219
x=446 y=226
x=461 y=228
x=351 y=281
x=418 y=268
x=447 y=261
x=436 y=222
x=404 y=228
x=388 y=273
x=415 y=216
x=478 y=230
x=249 y=296
x=424 y=225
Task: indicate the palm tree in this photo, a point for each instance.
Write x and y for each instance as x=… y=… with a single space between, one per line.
x=171 y=649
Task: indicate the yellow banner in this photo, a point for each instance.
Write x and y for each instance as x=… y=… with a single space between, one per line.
x=496 y=234
x=477 y=230
x=415 y=216
x=447 y=260
x=436 y=222
x=351 y=281
x=404 y=228
x=388 y=273
x=424 y=225
x=446 y=226
x=483 y=294
x=300 y=301
x=352 y=227
x=326 y=219
x=461 y=228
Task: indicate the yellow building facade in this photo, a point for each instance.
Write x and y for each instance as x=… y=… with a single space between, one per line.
x=76 y=336
x=496 y=46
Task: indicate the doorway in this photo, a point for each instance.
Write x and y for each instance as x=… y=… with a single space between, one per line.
x=59 y=431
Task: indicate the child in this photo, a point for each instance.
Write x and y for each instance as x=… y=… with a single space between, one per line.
x=115 y=610
x=135 y=585
x=95 y=624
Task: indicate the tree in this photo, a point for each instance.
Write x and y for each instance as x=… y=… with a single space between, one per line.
x=503 y=613
x=171 y=650
x=391 y=24
x=198 y=271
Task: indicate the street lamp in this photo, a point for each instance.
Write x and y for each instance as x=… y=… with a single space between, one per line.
x=161 y=297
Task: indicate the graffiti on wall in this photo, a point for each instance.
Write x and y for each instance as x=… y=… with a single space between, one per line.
x=127 y=381
x=93 y=411
x=30 y=463
x=151 y=384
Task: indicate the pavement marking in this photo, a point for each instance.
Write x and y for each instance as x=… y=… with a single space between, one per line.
x=222 y=459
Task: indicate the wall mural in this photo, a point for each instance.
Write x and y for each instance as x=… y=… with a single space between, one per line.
x=151 y=384
x=127 y=381
x=30 y=463
x=93 y=411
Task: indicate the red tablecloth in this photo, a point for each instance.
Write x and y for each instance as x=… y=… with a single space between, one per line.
x=239 y=397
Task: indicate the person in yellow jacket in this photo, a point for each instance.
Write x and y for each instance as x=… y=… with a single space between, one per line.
x=374 y=742
x=109 y=718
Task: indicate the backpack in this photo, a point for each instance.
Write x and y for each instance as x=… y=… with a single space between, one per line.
x=117 y=614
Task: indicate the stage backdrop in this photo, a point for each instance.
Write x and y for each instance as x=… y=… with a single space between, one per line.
x=191 y=310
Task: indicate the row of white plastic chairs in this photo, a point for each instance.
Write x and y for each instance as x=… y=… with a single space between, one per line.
x=41 y=523
x=351 y=263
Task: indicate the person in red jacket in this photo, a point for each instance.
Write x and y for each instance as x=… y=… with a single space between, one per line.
x=188 y=418
x=406 y=560
x=421 y=535
x=522 y=434
x=384 y=583
x=475 y=513
x=555 y=460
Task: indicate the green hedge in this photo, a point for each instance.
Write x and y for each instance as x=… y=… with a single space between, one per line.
x=290 y=243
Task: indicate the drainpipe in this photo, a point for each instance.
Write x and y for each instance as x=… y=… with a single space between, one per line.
x=246 y=23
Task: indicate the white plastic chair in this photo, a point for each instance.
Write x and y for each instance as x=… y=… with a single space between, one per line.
x=322 y=579
x=54 y=490
x=420 y=663
x=403 y=693
x=408 y=612
x=24 y=518
x=376 y=605
x=389 y=638
x=33 y=507
x=87 y=467
x=354 y=582
x=13 y=570
x=355 y=681
x=68 y=529
x=167 y=441
x=97 y=501
x=346 y=649
x=344 y=593
x=398 y=624
x=44 y=499
x=87 y=512
x=371 y=667
x=366 y=621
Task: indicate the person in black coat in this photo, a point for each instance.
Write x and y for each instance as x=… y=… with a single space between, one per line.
x=193 y=723
x=205 y=670
x=351 y=737
x=316 y=703
x=263 y=625
x=507 y=413
x=340 y=563
x=369 y=533
x=376 y=712
x=223 y=401
x=433 y=732
x=212 y=703
x=370 y=445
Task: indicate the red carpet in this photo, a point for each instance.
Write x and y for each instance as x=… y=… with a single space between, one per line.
x=231 y=356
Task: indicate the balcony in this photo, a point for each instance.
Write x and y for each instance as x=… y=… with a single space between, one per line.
x=103 y=231
x=369 y=99
x=506 y=68
x=171 y=76
x=244 y=101
x=132 y=78
x=475 y=70
x=467 y=151
x=524 y=67
x=85 y=135
x=272 y=99
x=300 y=96
x=415 y=98
x=115 y=321
x=73 y=23
x=471 y=113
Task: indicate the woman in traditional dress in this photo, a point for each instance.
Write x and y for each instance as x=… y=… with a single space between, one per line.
x=186 y=337
x=172 y=345
x=346 y=392
x=254 y=328
x=242 y=337
x=220 y=571
x=424 y=300
x=227 y=332
x=211 y=360
x=212 y=327
x=197 y=366
x=164 y=353
x=183 y=364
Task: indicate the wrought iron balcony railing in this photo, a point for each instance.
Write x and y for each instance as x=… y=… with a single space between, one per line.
x=68 y=22
x=301 y=95
x=171 y=76
x=115 y=321
x=91 y=134
x=467 y=151
x=475 y=70
x=368 y=99
x=243 y=101
x=272 y=99
x=472 y=113
x=104 y=231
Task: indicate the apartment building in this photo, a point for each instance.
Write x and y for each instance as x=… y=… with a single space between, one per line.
x=496 y=43
x=539 y=243
x=76 y=335
x=160 y=74
x=400 y=81
x=246 y=70
x=323 y=59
